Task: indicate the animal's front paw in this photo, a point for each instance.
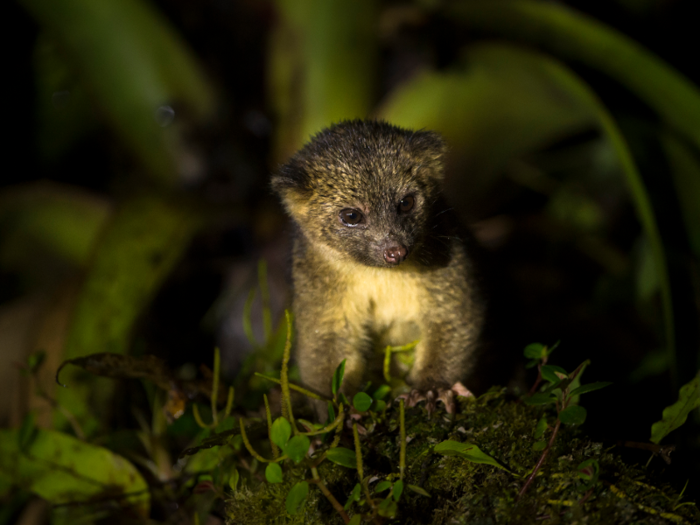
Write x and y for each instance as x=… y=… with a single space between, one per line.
x=433 y=395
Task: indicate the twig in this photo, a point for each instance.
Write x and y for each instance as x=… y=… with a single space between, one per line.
x=531 y=478
x=336 y=504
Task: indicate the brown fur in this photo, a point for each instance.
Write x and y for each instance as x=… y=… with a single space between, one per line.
x=348 y=300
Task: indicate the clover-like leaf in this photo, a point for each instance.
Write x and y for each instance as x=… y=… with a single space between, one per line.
x=280 y=432
x=273 y=473
x=361 y=402
x=297 y=447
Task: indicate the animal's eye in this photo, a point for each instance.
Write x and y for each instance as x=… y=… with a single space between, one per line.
x=351 y=217
x=406 y=204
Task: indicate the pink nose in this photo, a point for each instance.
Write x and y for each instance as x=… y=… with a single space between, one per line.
x=395 y=254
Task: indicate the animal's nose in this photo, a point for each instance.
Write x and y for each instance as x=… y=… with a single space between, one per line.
x=395 y=254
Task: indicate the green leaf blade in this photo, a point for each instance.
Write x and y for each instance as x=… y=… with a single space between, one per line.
x=273 y=473
x=296 y=497
x=342 y=456
x=297 y=447
x=573 y=415
x=280 y=432
x=676 y=414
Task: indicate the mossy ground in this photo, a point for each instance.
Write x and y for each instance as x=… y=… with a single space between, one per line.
x=462 y=492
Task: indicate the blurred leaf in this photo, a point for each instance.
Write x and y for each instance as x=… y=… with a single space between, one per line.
x=338 y=378
x=539 y=445
x=685 y=169
x=590 y=387
x=418 y=490
x=296 y=497
x=354 y=496
x=535 y=351
x=540 y=398
x=467 y=451
x=502 y=103
x=361 y=402
x=355 y=520
x=62 y=469
x=297 y=447
x=132 y=63
x=233 y=479
x=273 y=473
x=573 y=35
x=573 y=415
x=44 y=218
x=398 y=490
x=676 y=414
x=549 y=373
x=280 y=432
x=541 y=427
x=381 y=392
x=136 y=252
x=342 y=456
x=382 y=486
x=323 y=57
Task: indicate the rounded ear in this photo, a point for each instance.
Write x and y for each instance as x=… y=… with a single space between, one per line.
x=430 y=147
x=291 y=184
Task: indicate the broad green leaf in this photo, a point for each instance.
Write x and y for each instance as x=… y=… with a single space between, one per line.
x=676 y=414
x=398 y=490
x=539 y=398
x=296 y=497
x=355 y=520
x=590 y=387
x=338 y=378
x=297 y=447
x=418 y=490
x=273 y=473
x=381 y=392
x=549 y=373
x=361 y=402
x=132 y=85
x=280 y=432
x=342 y=456
x=62 y=469
x=467 y=451
x=387 y=508
x=382 y=486
x=534 y=351
x=321 y=71
x=576 y=36
x=379 y=405
x=573 y=415
x=135 y=253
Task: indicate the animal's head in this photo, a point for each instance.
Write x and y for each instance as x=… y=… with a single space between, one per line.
x=364 y=189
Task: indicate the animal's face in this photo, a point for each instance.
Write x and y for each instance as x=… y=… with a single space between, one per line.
x=364 y=190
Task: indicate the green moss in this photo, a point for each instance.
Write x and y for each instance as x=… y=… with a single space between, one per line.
x=462 y=492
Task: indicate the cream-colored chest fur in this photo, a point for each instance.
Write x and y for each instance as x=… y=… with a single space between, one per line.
x=388 y=301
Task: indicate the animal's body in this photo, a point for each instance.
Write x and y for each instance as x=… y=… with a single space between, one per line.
x=378 y=257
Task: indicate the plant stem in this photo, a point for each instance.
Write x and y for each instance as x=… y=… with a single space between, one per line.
x=531 y=478
x=336 y=504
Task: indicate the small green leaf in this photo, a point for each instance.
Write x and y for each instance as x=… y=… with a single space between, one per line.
x=387 y=508
x=273 y=473
x=552 y=348
x=354 y=496
x=535 y=351
x=381 y=392
x=355 y=520
x=233 y=479
x=382 y=486
x=361 y=402
x=296 y=496
x=379 y=405
x=574 y=415
x=539 y=398
x=468 y=451
x=331 y=412
x=280 y=432
x=549 y=373
x=418 y=490
x=541 y=427
x=676 y=414
x=338 y=377
x=539 y=445
x=297 y=447
x=590 y=387
x=342 y=456
x=398 y=490
x=27 y=432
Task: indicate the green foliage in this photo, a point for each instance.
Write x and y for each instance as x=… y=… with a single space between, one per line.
x=281 y=432
x=362 y=402
x=338 y=378
x=342 y=456
x=62 y=469
x=676 y=414
x=296 y=496
x=468 y=451
x=273 y=473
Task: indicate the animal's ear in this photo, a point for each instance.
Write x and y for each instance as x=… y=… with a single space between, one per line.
x=292 y=184
x=430 y=149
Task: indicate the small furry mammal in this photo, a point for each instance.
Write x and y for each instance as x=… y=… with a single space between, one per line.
x=378 y=258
